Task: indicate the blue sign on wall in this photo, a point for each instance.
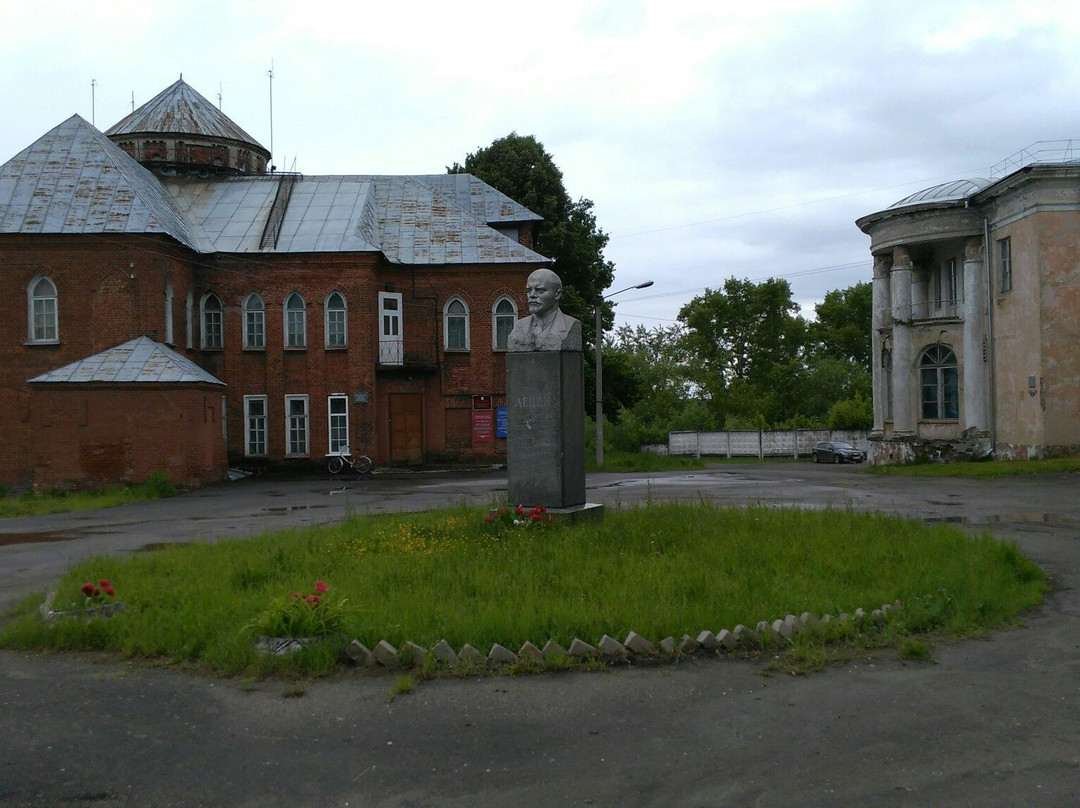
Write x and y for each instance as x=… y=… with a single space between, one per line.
x=500 y=422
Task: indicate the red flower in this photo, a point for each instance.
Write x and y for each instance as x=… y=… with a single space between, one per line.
x=88 y=589
x=320 y=587
x=536 y=517
x=109 y=590
x=312 y=599
x=519 y=510
x=104 y=584
x=97 y=592
x=489 y=517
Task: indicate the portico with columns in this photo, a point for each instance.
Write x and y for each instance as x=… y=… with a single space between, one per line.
x=976 y=317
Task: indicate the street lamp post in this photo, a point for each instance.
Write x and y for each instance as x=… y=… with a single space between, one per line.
x=598 y=306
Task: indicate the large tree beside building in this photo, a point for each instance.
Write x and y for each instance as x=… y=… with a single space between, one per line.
x=520 y=167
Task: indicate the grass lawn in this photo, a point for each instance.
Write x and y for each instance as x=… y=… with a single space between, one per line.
x=39 y=504
x=987 y=470
x=658 y=570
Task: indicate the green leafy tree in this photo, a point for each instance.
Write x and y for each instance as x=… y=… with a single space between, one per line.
x=747 y=342
x=520 y=167
x=842 y=327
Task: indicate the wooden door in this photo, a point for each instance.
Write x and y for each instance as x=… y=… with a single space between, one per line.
x=406 y=429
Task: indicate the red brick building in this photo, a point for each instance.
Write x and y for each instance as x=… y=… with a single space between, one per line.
x=359 y=311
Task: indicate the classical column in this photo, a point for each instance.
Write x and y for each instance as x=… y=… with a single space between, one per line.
x=974 y=370
x=904 y=370
x=881 y=320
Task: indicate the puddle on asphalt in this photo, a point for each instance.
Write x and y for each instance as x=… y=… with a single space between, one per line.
x=153 y=547
x=34 y=538
x=294 y=508
x=1007 y=519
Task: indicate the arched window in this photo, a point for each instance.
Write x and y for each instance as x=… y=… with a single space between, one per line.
x=254 y=322
x=939 y=383
x=168 y=311
x=503 y=317
x=212 y=322
x=44 y=325
x=295 y=322
x=456 y=325
x=336 y=328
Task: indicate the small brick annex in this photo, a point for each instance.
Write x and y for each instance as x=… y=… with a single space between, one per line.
x=176 y=256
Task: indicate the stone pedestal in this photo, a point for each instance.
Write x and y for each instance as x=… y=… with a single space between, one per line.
x=545 y=442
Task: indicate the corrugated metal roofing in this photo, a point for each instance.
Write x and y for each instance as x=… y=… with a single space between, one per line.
x=73 y=179
x=478 y=198
x=946 y=192
x=137 y=361
x=180 y=109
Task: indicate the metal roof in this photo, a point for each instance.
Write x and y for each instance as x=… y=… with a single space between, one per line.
x=180 y=110
x=480 y=199
x=73 y=179
x=137 y=361
x=399 y=216
x=946 y=192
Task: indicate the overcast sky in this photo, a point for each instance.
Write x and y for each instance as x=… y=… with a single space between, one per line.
x=715 y=138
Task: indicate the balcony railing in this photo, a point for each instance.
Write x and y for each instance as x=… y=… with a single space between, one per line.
x=407 y=353
x=938 y=310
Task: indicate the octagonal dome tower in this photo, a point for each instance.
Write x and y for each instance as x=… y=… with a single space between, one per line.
x=179 y=132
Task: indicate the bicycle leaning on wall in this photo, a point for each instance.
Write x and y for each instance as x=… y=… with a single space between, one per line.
x=361 y=464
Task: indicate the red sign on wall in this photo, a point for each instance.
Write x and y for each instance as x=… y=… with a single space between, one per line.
x=483 y=426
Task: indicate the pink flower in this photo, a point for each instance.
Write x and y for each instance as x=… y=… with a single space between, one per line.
x=320 y=587
x=312 y=599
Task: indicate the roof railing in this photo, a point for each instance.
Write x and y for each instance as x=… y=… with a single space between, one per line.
x=1042 y=151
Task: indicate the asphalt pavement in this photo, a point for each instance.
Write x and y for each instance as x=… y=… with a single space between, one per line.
x=993 y=722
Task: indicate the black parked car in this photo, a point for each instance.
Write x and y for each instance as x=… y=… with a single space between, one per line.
x=835 y=451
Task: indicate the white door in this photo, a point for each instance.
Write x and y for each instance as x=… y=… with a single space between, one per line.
x=390 y=342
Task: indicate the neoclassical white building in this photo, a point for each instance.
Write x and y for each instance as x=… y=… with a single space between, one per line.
x=976 y=323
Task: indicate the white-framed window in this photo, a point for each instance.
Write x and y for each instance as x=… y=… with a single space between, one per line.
x=254 y=322
x=503 y=317
x=296 y=425
x=939 y=384
x=456 y=325
x=337 y=334
x=391 y=344
x=43 y=311
x=168 y=311
x=295 y=321
x=1004 y=265
x=338 y=410
x=213 y=319
x=254 y=426
x=189 y=318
